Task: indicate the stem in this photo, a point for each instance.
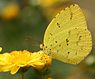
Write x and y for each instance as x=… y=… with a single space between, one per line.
x=22 y=75
x=43 y=75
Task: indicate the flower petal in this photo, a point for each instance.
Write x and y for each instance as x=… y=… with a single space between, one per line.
x=5 y=58
x=14 y=69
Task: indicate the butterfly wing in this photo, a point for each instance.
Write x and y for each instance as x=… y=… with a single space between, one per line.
x=66 y=19
x=67 y=37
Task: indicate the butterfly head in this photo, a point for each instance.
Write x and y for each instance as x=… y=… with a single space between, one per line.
x=41 y=46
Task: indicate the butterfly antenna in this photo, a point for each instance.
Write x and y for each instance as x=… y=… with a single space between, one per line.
x=34 y=42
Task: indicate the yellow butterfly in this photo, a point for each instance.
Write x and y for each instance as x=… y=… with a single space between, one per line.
x=67 y=38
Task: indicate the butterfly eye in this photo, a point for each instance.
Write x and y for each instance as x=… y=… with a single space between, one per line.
x=41 y=46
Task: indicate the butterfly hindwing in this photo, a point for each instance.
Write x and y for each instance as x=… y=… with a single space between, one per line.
x=70 y=46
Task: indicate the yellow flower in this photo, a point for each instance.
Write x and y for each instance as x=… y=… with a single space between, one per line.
x=41 y=60
x=19 y=59
x=14 y=60
x=50 y=3
x=10 y=11
x=5 y=62
x=4 y=58
x=47 y=3
x=51 y=7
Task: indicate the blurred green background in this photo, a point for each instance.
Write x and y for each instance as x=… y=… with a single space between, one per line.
x=22 y=26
